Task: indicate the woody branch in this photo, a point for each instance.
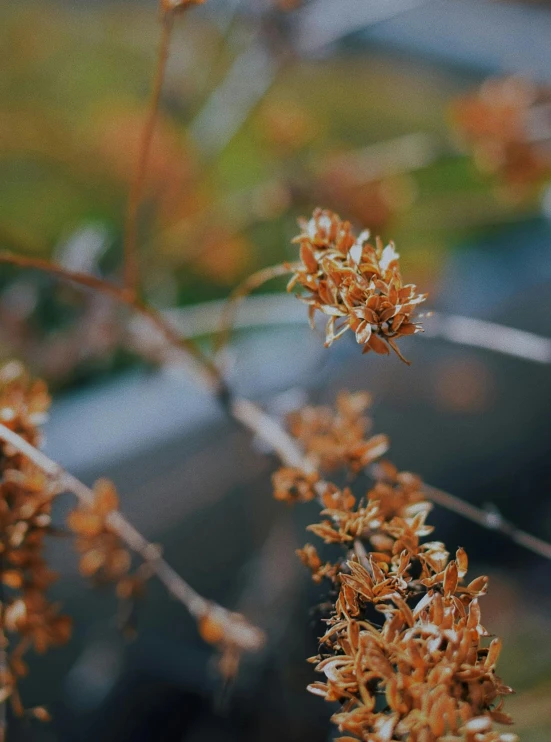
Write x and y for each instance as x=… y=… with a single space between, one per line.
x=248 y=413
x=237 y=631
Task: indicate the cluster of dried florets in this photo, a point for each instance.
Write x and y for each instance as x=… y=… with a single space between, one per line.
x=103 y=557
x=506 y=123
x=336 y=437
x=28 y=618
x=355 y=283
x=332 y=439
x=404 y=651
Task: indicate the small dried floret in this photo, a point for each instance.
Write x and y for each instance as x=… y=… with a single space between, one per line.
x=294 y=485
x=356 y=284
x=337 y=437
x=102 y=554
x=310 y=558
x=24 y=404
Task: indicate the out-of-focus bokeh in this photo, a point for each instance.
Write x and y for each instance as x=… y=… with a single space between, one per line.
x=426 y=121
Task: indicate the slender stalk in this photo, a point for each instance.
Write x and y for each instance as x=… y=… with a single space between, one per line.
x=236 y=630
x=131 y=267
x=205 y=371
x=292 y=455
x=253 y=418
x=489 y=519
x=490 y=336
x=265 y=427
x=241 y=292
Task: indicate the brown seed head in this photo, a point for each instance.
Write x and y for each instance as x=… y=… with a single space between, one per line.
x=355 y=283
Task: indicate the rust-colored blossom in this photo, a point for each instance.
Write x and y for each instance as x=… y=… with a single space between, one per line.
x=355 y=283
x=24 y=404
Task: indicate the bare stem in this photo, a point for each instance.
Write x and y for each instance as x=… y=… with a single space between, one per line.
x=237 y=630
x=131 y=267
x=490 y=519
x=490 y=336
x=252 y=417
x=291 y=454
x=205 y=370
x=265 y=427
x=241 y=292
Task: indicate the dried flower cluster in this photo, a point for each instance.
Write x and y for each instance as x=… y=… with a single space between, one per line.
x=356 y=284
x=230 y=633
x=506 y=123
x=337 y=438
x=332 y=439
x=404 y=652
x=102 y=555
x=25 y=505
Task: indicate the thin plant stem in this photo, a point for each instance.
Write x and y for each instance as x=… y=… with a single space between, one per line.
x=489 y=519
x=236 y=630
x=291 y=454
x=248 y=413
x=489 y=335
x=205 y=371
x=241 y=292
x=131 y=265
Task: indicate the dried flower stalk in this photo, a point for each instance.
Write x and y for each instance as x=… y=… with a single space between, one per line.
x=404 y=651
x=131 y=269
x=438 y=683
x=237 y=630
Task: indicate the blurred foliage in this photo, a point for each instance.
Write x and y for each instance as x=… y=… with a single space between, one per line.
x=72 y=102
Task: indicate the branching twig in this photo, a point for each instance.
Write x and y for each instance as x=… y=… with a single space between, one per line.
x=205 y=370
x=292 y=455
x=269 y=430
x=241 y=292
x=490 y=336
x=250 y=415
x=236 y=630
x=490 y=519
